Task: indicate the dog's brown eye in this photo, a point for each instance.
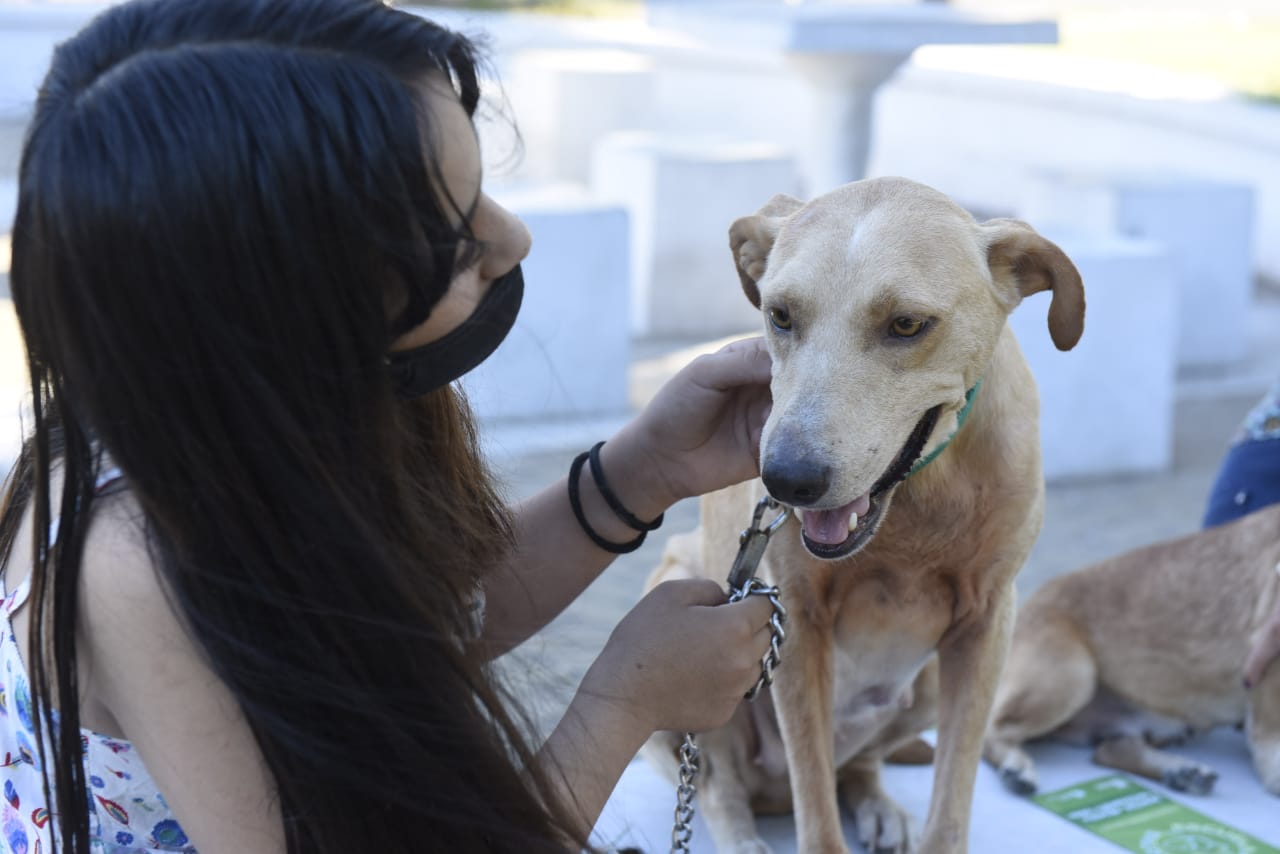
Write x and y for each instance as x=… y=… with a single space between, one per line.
x=905 y=327
x=780 y=318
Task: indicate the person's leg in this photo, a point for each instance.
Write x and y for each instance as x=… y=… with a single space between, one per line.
x=1248 y=480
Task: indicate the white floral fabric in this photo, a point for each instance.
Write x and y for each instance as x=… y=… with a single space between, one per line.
x=127 y=814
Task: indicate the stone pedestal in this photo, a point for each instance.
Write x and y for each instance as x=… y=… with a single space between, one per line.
x=844 y=51
x=1206 y=227
x=567 y=100
x=682 y=193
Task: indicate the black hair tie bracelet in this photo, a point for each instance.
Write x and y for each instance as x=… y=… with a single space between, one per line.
x=597 y=474
x=575 y=501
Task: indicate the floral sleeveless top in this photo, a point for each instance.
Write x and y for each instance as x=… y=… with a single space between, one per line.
x=126 y=813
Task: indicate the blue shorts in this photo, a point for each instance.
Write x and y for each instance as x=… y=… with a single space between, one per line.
x=1248 y=480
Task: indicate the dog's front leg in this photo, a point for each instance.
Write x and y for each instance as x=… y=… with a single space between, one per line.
x=803 y=696
x=969 y=662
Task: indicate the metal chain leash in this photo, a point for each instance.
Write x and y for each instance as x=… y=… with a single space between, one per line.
x=742 y=583
x=682 y=832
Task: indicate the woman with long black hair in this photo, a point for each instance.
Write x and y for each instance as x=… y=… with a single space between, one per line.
x=253 y=563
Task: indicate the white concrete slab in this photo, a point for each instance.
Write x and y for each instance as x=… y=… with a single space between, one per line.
x=1206 y=226
x=1106 y=407
x=568 y=353
x=682 y=192
x=28 y=34
x=567 y=100
x=8 y=209
x=640 y=811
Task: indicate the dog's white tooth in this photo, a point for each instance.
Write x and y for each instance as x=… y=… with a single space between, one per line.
x=853 y=522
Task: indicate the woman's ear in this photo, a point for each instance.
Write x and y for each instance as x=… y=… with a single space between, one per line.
x=1024 y=263
x=751 y=239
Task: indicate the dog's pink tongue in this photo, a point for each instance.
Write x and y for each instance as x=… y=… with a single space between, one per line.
x=831 y=527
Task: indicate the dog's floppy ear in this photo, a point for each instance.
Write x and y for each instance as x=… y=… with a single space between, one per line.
x=1018 y=255
x=751 y=238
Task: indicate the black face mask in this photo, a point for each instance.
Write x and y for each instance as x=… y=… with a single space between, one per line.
x=420 y=370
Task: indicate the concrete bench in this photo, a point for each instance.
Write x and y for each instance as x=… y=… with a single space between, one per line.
x=565 y=101
x=568 y=354
x=1206 y=225
x=1106 y=407
x=682 y=192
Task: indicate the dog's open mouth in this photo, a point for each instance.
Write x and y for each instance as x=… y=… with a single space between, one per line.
x=838 y=533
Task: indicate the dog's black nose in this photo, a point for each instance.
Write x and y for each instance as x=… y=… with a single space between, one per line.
x=798 y=482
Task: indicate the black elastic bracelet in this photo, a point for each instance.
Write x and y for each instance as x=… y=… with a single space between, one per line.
x=597 y=474
x=575 y=471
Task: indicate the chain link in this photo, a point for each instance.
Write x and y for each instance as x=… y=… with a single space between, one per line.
x=682 y=831
x=742 y=583
x=756 y=587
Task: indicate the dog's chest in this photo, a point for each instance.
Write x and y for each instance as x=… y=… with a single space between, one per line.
x=868 y=694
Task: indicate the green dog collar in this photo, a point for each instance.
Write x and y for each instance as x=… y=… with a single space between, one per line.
x=960 y=419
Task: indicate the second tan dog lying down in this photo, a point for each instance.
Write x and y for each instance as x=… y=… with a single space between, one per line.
x=1143 y=650
x=884 y=304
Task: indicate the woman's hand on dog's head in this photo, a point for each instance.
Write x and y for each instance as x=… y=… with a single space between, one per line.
x=701 y=431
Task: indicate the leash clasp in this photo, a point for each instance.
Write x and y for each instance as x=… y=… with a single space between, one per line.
x=752 y=542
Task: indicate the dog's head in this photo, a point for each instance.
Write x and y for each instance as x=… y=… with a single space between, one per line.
x=883 y=303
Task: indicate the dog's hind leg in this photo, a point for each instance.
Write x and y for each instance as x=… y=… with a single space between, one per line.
x=1263 y=726
x=1131 y=753
x=1050 y=676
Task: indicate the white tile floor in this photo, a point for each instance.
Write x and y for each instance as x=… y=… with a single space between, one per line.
x=640 y=812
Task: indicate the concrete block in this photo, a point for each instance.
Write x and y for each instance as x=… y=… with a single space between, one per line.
x=28 y=34
x=568 y=353
x=8 y=210
x=1206 y=226
x=567 y=100
x=1106 y=407
x=682 y=193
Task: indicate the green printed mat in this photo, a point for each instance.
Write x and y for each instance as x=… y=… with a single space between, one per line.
x=1139 y=820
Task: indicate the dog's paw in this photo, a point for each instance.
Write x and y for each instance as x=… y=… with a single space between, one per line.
x=1194 y=779
x=883 y=826
x=1017 y=782
x=1019 y=777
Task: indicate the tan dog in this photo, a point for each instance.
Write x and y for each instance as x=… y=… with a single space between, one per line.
x=1143 y=650
x=884 y=306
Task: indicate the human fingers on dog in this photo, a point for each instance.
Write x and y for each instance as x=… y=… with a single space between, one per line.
x=703 y=427
x=742 y=362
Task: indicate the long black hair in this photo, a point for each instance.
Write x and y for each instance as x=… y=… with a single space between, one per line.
x=219 y=200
